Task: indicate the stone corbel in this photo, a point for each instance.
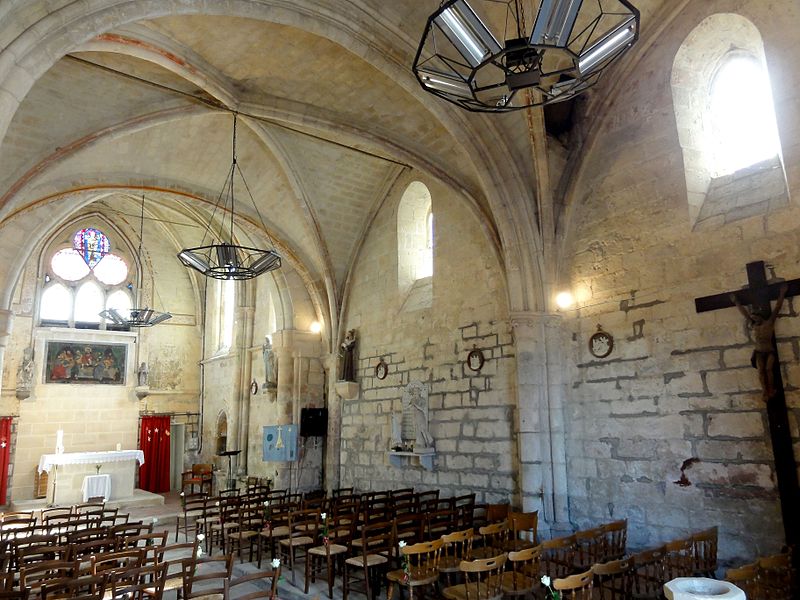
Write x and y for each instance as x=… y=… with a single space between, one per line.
x=347 y=390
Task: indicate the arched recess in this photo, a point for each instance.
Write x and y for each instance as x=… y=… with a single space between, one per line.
x=36 y=48
x=707 y=51
x=221 y=433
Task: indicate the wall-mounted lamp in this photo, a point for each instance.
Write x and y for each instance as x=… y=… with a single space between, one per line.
x=565 y=300
x=316 y=327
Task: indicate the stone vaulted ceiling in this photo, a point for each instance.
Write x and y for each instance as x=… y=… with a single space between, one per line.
x=329 y=123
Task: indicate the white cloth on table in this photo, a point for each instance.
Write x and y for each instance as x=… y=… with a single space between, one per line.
x=95 y=486
x=89 y=458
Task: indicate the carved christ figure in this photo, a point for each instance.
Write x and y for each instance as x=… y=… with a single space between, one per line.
x=763 y=326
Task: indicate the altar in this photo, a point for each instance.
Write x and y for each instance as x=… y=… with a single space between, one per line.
x=68 y=473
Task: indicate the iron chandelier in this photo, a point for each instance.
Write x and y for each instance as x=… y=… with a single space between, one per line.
x=225 y=259
x=136 y=317
x=480 y=55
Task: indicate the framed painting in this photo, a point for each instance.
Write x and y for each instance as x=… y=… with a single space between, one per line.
x=78 y=362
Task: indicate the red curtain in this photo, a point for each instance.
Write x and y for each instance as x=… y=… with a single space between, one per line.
x=154 y=442
x=5 y=452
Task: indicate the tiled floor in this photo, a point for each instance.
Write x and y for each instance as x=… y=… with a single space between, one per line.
x=166 y=515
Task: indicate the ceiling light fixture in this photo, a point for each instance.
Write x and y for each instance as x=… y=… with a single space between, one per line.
x=225 y=259
x=569 y=45
x=136 y=317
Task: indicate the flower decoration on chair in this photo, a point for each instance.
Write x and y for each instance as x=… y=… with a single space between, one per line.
x=406 y=572
x=551 y=593
x=481 y=54
x=223 y=258
x=324 y=518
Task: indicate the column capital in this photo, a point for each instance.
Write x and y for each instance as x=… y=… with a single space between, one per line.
x=529 y=319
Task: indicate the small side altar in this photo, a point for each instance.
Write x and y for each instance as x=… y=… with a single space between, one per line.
x=67 y=473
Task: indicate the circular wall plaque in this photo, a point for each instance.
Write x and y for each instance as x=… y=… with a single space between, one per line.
x=381 y=369
x=601 y=343
x=475 y=359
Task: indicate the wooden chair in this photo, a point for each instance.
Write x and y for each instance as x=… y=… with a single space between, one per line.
x=409 y=528
x=575 y=587
x=227 y=519
x=421 y=567
x=648 y=577
x=439 y=523
x=704 y=552
x=616 y=539
x=304 y=527
x=746 y=579
x=678 y=559
x=38 y=574
x=336 y=545
x=248 y=526
x=139 y=583
x=523 y=577
x=274 y=528
x=465 y=509
x=151 y=544
x=613 y=580
x=558 y=556
x=91 y=587
x=483 y=579
x=230 y=592
x=494 y=539
x=205 y=577
x=191 y=511
x=422 y=498
x=201 y=475
x=346 y=491
x=111 y=562
x=457 y=547
x=173 y=557
x=22 y=594
x=371 y=558
x=776 y=577
x=591 y=547
x=524 y=530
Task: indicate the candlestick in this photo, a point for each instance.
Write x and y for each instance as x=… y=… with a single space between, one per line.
x=119 y=446
x=60 y=441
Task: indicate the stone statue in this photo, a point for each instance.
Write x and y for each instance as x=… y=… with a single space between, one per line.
x=270 y=365
x=25 y=370
x=762 y=324
x=142 y=375
x=396 y=441
x=348 y=356
x=415 y=411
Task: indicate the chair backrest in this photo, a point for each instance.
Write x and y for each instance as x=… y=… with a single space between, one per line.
x=616 y=534
x=458 y=545
x=745 y=578
x=206 y=575
x=120 y=560
x=131 y=529
x=146 y=541
x=86 y=587
x=377 y=538
x=497 y=512
x=402 y=492
x=484 y=576
x=678 y=559
x=591 y=547
x=495 y=535
x=139 y=583
x=347 y=491
x=94 y=509
x=648 y=578
x=524 y=526
x=613 y=580
x=174 y=555
x=558 y=556
x=439 y=523
x=200 y=469
x=35 y=575
x=424 y=497
x=525 y=568
x=409 y=527
x=575 y=587
x=305 y=521
x=704 y=552
x=465 y=507
x=423 y=559
x=253 y=585
x=84 y=550
x=776 y=577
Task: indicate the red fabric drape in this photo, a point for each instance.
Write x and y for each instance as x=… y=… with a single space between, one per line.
x=154 y=442
x=5 y=452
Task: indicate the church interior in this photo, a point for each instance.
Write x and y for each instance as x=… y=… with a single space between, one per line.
x=575 y=299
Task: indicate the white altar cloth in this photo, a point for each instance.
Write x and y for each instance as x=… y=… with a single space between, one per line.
x=47 y=461
x=95 y=486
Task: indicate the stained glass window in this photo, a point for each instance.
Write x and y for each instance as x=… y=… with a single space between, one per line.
x=92 y=244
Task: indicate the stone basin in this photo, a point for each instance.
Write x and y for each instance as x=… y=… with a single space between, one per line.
x=701 y=588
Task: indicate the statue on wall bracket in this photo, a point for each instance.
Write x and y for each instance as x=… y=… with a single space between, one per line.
x=348 y=349
x=415 y=419
x=270 y=366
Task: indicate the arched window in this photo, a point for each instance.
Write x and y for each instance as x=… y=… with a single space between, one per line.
x=726 y=123
x=83 y=280
x=226 y=306
x=415 y=235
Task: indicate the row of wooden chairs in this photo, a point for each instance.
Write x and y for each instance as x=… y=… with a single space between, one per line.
x=768 y=578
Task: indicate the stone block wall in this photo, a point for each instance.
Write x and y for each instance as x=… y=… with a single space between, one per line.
x=670 y=431
x=471 y=413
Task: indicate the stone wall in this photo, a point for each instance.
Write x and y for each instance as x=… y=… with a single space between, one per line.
x=471 y=414
x=669 y=431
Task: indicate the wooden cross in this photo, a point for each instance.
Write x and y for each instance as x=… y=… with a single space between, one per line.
x=758 y=294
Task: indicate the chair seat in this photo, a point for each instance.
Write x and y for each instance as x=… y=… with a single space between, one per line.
x=398 y=576
x=460 y=592
x=404 y=535
x=276 y=532
x=302 y=540
x=449 y=564
x=304 y=527
x=372 y=560
x=243 y=535
x=171 y=583
x=516 y=583
x=208 y=597
x=334 y=549
x=192 y=514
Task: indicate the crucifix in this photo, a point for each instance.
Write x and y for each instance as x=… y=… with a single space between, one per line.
x=758 y=294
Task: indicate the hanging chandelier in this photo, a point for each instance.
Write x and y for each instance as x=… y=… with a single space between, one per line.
x=480 y=55
x=136 y=317
x=224 y=259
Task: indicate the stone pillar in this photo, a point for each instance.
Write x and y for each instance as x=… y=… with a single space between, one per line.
x=245 y=317
x=541 y=395
x=285 y=385
x=333 y=449
x=6 y=324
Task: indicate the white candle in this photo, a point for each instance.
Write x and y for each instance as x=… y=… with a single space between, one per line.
x=59 y=441
x=119 y=446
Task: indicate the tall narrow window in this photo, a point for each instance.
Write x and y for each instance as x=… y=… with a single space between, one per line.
x=726 y=123
x=227 y=314
x=415 y=239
